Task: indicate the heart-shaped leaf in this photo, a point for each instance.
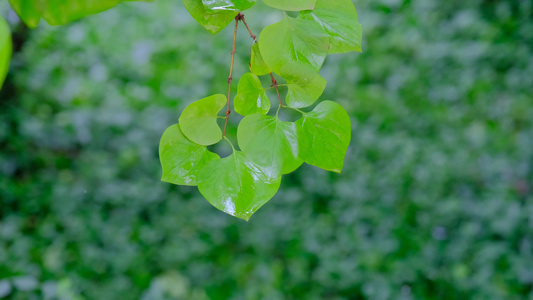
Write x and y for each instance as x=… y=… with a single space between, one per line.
x=278 y=147
x=339 y=19
x=182 y=159
x=329 y=131
x=5 y=49
x=236 y=185
x=214 y=6
x=257 y=64
x=198 y=121
x=291 y=5
x=251 y=97
x=213 y=22
x=293 y=40
x=304 y=84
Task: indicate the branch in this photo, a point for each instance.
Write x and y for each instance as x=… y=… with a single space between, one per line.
x=228 y=111
x=253 y=36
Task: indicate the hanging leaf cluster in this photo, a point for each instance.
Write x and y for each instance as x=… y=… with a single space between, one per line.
x=267 y=147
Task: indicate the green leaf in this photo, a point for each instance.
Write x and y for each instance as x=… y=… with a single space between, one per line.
x=182 y=159
x=5 y=49
x=60 y=12
x=278 y=147
x=198 y=121
x=292 y=5
x=293 y=40
x=213 y=22
x=29 y=11
x=339 y=19
x=304 y=84
x=236 y=185
x=329 y=131
x=257 y=64
x=213 y=6
x=251 y=97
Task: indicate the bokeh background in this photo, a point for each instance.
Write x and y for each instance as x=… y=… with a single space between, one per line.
x=435 y=201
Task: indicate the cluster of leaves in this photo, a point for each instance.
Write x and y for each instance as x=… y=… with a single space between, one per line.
x=295 y=49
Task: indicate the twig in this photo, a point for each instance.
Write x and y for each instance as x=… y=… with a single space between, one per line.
x=275 y=85
x=228 y=111
x=254 y=37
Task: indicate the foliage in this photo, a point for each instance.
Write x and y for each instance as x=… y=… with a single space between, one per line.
x=434 y=201
x=294 y=48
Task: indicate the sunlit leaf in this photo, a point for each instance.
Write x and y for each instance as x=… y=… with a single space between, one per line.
x=329 y=131
x=293 y=40
x=257 y=64
x=213 y=22
x=236 y=185
x=339 y=19
x=251 y=97
x=59 y=12
x=304 y=84
x=213 y=6
x=181 y=159
x=278 y=147
x=5 y=49
x=293 y=5
x=198 y=121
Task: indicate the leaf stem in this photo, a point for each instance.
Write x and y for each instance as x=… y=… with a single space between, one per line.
x=253 y=36
x=230 y=77
x=302 y=112
x=231 y=144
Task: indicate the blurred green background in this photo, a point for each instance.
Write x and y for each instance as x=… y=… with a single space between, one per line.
x=435 y=201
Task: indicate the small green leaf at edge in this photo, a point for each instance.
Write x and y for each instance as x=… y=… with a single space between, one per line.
x=5 y=49
x=198 y=121
x=329 y=132
x=28 y=11
x=236 y=185
x=278 y=147
x=251 y=97
x=257 y=64
x=212 y=22
x=293 y=40
x=215 y=6
x=339 y=19
x=291 y=5
x=182 y=159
